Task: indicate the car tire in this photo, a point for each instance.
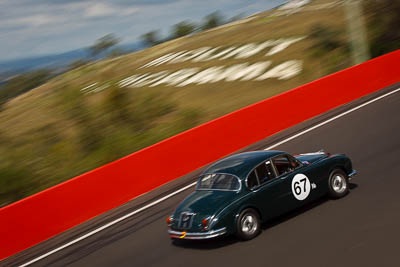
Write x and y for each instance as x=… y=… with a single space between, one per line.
x=338 y=184
x=248 y=224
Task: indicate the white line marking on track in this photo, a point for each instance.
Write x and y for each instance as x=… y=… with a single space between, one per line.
x=331 y=119
x=109 y=224
x=193 y=184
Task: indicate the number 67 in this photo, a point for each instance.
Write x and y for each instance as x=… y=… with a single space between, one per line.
x=297 y=187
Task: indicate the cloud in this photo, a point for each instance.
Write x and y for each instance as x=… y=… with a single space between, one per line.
x=104 y=10
x=32 y=27
x=146 y=2
x=99 y=10
x=36 y=20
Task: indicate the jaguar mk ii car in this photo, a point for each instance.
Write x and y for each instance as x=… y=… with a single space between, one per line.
x=236 y=194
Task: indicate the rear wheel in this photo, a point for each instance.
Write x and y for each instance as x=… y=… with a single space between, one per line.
x=248 y=224
x=338 y=184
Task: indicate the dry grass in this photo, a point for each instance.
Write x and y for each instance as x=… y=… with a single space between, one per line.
x=40 y=132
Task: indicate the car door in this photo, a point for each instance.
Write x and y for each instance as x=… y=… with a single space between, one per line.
x=266 y=189
x=296 y=182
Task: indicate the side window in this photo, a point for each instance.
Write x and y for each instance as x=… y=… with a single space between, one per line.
x=294 y=162
x=252 y=180
x=282 y=164
x=265 y=172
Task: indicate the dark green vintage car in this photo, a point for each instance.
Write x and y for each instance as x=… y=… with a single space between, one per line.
x=236 y=194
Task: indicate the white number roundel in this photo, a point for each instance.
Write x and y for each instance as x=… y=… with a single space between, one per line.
x=301 y=186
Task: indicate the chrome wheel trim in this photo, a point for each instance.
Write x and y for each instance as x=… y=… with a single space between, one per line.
x=249 y=224
x=339 y=184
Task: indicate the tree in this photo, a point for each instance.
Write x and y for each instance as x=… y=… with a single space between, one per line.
x=236 y=18
x=383 y=22
x=23 y=83
x=324 y=38
x=329 y=48
x=212 y=20
x=116 y=52
x=183 y=28
x=151 y=38
x=77 y=63
x=16 y=182
x=103 y=44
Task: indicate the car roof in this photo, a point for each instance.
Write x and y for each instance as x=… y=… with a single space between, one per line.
x=241 y=164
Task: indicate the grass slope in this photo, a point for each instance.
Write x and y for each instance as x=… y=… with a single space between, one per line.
x=56 y=132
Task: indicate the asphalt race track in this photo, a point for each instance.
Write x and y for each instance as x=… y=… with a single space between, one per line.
x=362 y=229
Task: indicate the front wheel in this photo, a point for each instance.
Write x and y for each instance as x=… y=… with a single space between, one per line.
x=338 y=184
x=248 y=224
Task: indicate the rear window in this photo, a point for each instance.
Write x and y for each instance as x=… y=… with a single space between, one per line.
x=218 y=181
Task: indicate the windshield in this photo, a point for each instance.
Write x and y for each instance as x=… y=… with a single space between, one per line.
x=218 y=181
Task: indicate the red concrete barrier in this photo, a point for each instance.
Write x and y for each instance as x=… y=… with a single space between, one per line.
x=41 y=216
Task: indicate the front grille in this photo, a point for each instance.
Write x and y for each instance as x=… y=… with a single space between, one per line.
x=186 y=220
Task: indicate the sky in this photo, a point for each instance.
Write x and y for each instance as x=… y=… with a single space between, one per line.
x=42 y=27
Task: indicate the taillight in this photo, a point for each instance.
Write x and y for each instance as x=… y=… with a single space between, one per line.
x=204 y=223
x=169 y=220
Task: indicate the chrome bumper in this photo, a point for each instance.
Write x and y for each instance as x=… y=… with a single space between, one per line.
x=352 y=174
x=204 y=235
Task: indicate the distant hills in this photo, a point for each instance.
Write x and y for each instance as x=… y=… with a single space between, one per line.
x=58 y=62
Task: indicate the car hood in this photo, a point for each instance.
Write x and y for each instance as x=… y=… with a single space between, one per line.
x=312 y=157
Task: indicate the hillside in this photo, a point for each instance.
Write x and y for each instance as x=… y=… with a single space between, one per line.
x=105 y=110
